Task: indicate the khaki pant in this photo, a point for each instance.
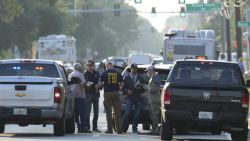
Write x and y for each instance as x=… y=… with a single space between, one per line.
x=154 y=102
x=112 y=100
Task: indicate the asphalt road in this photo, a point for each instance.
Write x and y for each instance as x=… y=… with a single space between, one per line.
x=39 y=133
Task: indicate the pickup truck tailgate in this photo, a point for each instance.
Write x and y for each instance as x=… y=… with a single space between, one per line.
x=210 y=99
x=26 y=91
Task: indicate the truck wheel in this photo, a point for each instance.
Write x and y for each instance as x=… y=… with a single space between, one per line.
x=59 y=127
x=2 y=127
x=166 y=131
x=70 y=125
x=146 y=126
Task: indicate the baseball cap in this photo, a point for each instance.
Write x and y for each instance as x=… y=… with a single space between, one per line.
x=134 y=66
x=150 y=68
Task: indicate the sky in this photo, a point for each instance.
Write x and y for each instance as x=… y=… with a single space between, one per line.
x=158 y=21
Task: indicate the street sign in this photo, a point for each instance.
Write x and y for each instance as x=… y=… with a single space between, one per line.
x=244 y=24
x=201 y=7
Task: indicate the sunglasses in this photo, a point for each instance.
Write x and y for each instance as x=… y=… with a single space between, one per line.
x=89 y=64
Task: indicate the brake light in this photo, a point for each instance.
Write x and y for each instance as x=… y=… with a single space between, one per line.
x=57 y=94
x=245 y=100
x=167 y=96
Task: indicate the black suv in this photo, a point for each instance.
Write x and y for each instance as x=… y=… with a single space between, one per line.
x=163 y=71
x=205 y=96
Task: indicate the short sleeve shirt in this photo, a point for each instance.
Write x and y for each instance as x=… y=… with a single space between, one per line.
x=111 y=79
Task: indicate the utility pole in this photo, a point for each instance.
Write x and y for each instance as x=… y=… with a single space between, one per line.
x=227 y=29
x=223 y=44
x=248 y=19
x=228 y=36
x=238 y=29
x=248 y=30
x=223 y=34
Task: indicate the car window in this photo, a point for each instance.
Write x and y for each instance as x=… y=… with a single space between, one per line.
x=29 y=69
x=206 y=74
x=162 y=73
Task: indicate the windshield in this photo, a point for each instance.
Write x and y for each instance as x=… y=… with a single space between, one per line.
x=206 y=74
x=29 y=69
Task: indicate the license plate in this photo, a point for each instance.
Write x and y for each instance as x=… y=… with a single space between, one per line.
x=205 y=115
x=20 y=111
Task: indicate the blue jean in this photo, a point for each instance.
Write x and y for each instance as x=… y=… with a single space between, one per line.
x=129 y=106
x=80 y=113
x=92 y=99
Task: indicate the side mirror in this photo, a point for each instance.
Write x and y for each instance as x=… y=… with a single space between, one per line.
x=248 y=83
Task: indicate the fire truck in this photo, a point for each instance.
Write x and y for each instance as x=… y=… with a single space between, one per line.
x=183 y=44
x=57 y=47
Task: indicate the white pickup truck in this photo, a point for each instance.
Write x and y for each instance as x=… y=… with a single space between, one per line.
x=35 y=92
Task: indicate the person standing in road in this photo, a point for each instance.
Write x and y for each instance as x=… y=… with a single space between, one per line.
x=92 y=94
x=154 y=98
x=79 y=91
x=133 y=88
x=111 y=80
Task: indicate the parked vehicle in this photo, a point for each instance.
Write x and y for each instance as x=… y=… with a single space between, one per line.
x=140 y=59
x=189 y=44
x=57 y=47
x=205 y=96
x=35 y=92
x=163 y=71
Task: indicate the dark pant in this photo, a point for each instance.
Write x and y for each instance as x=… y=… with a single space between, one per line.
x=112 y=101
x=129 y=105
x=92 y=99
x=80 y=115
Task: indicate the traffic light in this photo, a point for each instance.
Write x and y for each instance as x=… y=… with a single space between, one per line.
x=117 y=9
x=183 y=12
x=138 y=1
x=153 y=11
x=182 y=2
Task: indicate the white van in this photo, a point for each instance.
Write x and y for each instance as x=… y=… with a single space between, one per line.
x=139 y=59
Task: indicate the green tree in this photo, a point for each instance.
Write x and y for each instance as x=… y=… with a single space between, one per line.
x=39 y=18
x=105 y=33
x=9 y=9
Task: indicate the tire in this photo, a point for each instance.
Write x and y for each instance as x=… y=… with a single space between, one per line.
x=59 y=127
x=70 y=125
x=146 y=126
x=2 y=128
x=166 y=131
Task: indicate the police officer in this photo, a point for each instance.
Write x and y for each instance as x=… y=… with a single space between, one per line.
x=154 y=96
x=111 y=80
x=92 y=94
x=133 y=88
x=80 y=101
